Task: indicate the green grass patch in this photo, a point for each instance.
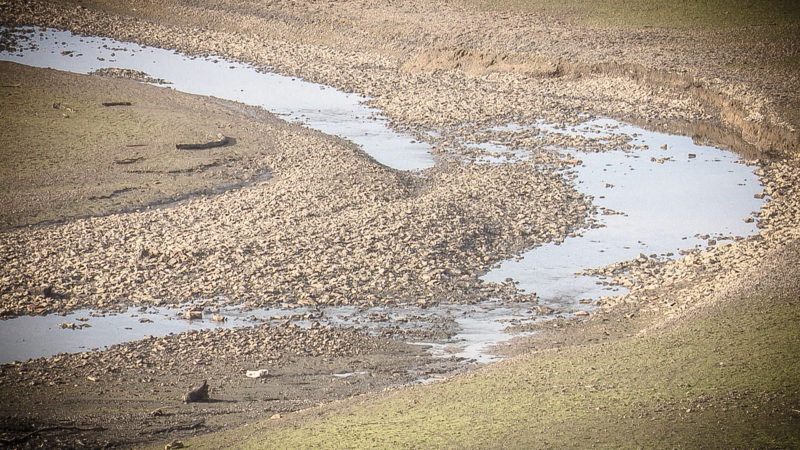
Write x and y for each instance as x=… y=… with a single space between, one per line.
x=728 y=379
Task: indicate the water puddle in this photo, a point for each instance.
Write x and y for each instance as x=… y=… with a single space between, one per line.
x=464 y=331
x=672 y=196
x=655 y=201
x=314 y=105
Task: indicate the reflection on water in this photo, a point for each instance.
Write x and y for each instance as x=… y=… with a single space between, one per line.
x=317 y=106
x=470 y=329
x=656 y=201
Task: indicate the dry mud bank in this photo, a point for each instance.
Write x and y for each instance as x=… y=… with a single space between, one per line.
x=131 y=394
x=66 y=155
x=333 y=227
x=516 y=65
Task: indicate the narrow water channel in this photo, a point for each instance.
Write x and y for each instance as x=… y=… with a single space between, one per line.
x=673 y=196
x=316 y=106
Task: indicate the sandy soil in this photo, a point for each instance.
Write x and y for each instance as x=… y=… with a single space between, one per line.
x=95 y=160
x=132 y=394
x=429 y=237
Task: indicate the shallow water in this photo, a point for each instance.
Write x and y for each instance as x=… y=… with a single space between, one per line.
x=665 y=207
x=314 y=105
x=42 y=336
x=665 y=204
x=475 y=327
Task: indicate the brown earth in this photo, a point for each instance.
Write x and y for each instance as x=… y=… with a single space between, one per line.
x=133 y=394
x=65 y=155
x=444 y=66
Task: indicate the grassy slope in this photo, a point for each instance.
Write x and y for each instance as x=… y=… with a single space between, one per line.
x=726 y=379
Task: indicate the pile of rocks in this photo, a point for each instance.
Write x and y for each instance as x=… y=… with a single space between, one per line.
x=331 y=227
x=128 y=74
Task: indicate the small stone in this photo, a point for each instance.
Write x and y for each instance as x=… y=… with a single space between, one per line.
x=193 y=314
x=197 y=395
x=275 y=416
x=261 y=373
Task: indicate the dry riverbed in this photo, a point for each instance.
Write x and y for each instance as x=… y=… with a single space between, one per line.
x=282 y=214
x=91 y=146
x=330 y=226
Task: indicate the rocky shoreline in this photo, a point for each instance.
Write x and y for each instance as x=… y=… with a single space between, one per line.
x=332 y=227
x=368 y=235
x=621 y=74
x=425 y=272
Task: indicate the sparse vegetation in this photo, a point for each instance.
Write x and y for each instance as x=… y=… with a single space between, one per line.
x=726 y=379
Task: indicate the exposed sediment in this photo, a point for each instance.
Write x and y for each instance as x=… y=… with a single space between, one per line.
x=334 y=227
x=331 y=227
x=621 y=74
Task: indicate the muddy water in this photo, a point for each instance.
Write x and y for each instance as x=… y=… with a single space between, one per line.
x=656 y=201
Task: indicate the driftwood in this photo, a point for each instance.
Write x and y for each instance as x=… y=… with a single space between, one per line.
x=117 y=104
x=129 y=160
x=220 y=143
x=197 y=395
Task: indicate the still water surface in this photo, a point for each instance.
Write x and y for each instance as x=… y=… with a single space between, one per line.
x=663 y=200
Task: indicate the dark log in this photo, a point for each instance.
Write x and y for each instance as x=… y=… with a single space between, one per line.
x=117 y=104
x=220 y=143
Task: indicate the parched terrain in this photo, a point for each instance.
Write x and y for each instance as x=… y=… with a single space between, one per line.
x=331 y=226
x=120 y=217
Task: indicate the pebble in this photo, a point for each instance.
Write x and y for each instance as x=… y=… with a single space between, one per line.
x=260 y=373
